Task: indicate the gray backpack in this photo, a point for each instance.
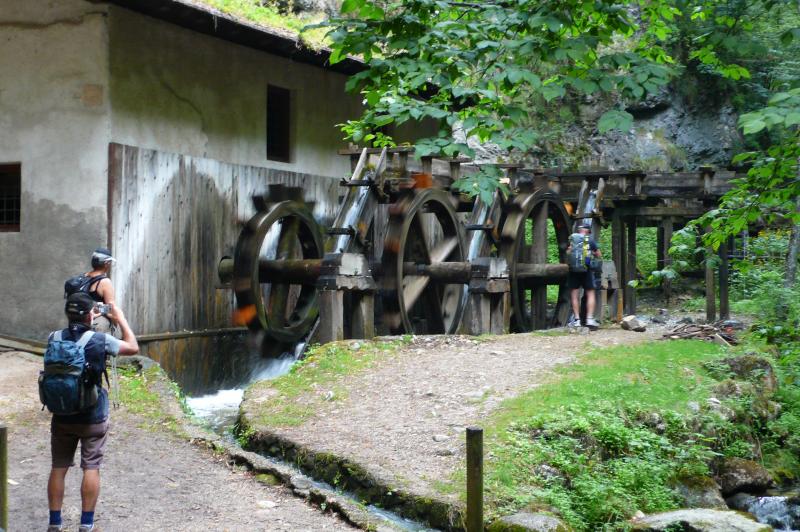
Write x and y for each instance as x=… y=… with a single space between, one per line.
x=578 y=253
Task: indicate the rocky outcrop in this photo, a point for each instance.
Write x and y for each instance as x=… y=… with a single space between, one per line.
x=752 y=368
x=736 y=474
x=529 y=522
x=700 y=492
x=699 y=520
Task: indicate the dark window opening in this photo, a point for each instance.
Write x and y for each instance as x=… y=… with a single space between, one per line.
x=10 y=197
x=278 y=124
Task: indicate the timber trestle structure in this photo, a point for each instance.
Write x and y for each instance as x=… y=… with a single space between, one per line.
x=407 y=254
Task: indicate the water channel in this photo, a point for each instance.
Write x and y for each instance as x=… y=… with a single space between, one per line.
x=215 y=404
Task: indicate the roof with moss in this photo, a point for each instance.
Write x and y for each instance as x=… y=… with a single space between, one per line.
x=203 y=18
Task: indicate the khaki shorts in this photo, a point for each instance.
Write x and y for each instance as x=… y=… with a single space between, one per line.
x=64 y=438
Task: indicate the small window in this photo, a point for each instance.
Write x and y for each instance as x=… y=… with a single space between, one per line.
x=278 y=124
x=10 y=196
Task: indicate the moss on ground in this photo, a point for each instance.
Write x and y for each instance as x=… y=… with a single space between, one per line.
x=139 y=395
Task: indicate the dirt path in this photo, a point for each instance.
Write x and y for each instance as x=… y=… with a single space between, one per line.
x=150 y=481
x=404 y=420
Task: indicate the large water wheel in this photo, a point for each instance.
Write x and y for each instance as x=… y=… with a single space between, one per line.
x=524 y=244
x=424 y=272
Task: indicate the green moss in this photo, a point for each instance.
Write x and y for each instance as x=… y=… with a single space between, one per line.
x=138 y=395
x=270 y=16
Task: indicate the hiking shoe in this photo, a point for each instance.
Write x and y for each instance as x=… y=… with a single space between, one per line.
x=87 y=528
x=54 y=528
x=574 y=323
x=592 y=323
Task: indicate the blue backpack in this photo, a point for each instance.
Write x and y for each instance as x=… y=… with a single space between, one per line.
x=65 y=385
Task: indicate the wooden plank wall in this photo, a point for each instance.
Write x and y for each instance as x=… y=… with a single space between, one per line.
x=173 y=217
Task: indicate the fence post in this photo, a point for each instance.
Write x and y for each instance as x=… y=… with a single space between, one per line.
x=474 y=479
x=3 y=478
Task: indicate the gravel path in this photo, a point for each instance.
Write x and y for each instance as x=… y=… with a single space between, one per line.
x=405 y=419
x=150 y=481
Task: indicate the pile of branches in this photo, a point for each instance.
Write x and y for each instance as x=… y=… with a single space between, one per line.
x=712 y=333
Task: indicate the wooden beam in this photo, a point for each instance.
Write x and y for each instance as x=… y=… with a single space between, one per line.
x=630 y=268
x=538 y=255
x=666 y=237
x=711 y=298
x=618 y=252
x=724 y=302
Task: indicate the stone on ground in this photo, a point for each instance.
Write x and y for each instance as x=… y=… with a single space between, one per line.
x=632 y=323
x=528 y=522
x=699 y=520
x=738 y=474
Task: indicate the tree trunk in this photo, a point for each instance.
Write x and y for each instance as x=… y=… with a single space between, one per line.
x=794 y=246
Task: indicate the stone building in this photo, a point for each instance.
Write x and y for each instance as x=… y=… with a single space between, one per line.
x=146 y=125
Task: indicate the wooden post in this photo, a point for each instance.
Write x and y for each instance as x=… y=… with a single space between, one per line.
x=538 y=255
x=474 y=479
x=666 y=231
x=630 y=268
x=618 y=255
x=711 y=297
x=724 y=303
x=362 y=323
x=3 y=478
x=331 y=324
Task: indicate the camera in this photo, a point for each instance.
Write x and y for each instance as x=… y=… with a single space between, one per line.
x=103 y=308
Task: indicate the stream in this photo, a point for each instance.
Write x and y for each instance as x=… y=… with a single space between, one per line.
x=779 y=509
x=219 y=410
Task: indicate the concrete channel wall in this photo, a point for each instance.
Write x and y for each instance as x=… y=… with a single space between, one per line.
x=54 y=121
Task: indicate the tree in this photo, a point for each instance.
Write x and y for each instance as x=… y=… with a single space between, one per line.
x=772 y=187
x=481 y=65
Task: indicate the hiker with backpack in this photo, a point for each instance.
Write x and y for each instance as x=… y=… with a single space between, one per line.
x=583 y=256
x=71 y=388
x=97 y=284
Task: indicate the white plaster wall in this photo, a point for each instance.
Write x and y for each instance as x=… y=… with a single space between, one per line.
x=54 y=120
x=180 y=91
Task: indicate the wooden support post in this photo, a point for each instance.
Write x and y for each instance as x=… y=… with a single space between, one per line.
x=711 y=297
x=427 y=164
x=724 y=303
x=331 y=307
x=538 y=255
x=666 y=231
x=618 y=256
x=630 y=268
x=660 y=246
x=474 y=479
x=362 y=323
x=3 y=478
x=480 y=311
x=500 y=304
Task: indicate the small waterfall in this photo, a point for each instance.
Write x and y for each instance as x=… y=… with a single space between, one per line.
x=781 y=513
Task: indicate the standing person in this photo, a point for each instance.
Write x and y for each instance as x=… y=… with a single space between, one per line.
x=580 y=251
x=89 y=426
x=97 y=284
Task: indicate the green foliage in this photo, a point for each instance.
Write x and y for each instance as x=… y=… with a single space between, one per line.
x=274 y=14
x=480 y=66
x=595 y=428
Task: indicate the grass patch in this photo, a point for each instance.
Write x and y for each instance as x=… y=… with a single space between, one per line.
x=585 y=446
x=293 y=398
x=138 y=396
x=269 y=16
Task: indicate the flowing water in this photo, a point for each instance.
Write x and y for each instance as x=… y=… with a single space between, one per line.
x=780 y=510
x=219 y=410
